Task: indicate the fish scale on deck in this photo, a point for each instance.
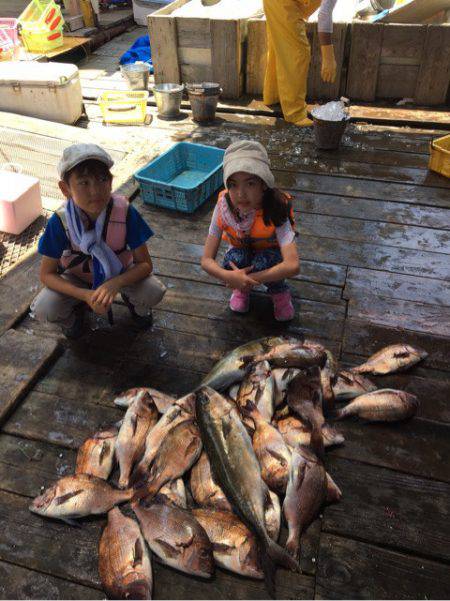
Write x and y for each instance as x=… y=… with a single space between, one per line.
x=208 y=470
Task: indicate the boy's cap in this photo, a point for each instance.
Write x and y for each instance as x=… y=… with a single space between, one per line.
x=78 y=153
x=250 y=157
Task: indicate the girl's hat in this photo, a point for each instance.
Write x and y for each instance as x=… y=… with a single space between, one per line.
x=250 y=157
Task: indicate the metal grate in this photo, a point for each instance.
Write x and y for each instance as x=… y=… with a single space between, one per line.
x=13 y=248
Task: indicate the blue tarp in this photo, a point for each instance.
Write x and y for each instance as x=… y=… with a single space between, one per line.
x=139 y=51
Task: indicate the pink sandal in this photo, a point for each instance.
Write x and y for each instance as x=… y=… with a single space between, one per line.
x=282 y=306
x=239 y=301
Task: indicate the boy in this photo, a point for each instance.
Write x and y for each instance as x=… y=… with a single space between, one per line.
x=93 y=248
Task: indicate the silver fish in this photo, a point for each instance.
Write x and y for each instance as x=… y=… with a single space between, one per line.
x=78 y=496
x=305 y=494
x=290 y=354
x=257 y=387
x=348 y=385
x=237 y=470
x=176 y=537
x=177 y=454
x=296 y=433
x=123 y=559
x=235 y=547
x=305 y=399
x=281 y=379
x=396 y=357
x=139 y=419
x=162 y=401
x=230 y=370
x=96 y=454
x=181 y=411
x=272 y=515
x=174 y=492
x=273 y=455
x=384 y=405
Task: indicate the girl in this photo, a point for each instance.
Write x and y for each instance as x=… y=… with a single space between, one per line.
x=256 y=220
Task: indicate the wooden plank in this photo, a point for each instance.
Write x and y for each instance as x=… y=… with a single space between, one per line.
x=402 y=314
x=193 y=32
x=59 y=421
x=363 y=338
x=387 y=508
x=34 y=542
x=349 y=569
x=24 y=358
x=386 y=234
x=28 y=465
x=397 y=81
x=361 y=282
x=408 y=447
x=433 y=80
x=227 y=55
x=20 y=583
x=403 y=42
x=163 y=33
x=370 y=209
x=256 y=56
x=366 y=41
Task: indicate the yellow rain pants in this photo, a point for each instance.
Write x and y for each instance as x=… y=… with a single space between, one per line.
x=288 y=55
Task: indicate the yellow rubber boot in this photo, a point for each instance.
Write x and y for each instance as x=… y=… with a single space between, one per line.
x=288 y=57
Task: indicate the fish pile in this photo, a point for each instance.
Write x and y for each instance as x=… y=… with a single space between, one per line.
x=209 y=476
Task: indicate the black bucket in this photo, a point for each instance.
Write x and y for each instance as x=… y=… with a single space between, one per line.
x=203 y=98
x=328 y=134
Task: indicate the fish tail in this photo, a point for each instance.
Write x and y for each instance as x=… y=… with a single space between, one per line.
x=293 y=547
x=268 y=568
x=144 y=492
x=317 y=441
x=280 y=556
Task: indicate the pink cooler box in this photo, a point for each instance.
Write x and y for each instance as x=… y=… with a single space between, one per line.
x=20 y=201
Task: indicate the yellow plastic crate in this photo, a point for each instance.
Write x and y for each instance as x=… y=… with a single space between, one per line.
x=440 y=156
x=123 y=107
x=42 y=40
x=37 y=11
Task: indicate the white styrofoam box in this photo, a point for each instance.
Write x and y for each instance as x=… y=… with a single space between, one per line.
x=20 y=201
x=49 y=91
x=143 y=8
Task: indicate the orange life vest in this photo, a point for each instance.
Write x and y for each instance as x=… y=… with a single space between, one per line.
x=74 y=261
x=260 y=236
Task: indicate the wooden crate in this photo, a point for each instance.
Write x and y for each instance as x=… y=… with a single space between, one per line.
x=391 y=61
x=317 y=89
x=186 y=50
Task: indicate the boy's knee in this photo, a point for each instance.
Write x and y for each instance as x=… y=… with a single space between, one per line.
x=147 y=293
x=47 y=306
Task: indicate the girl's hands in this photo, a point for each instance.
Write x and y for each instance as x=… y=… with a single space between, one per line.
x=239 y=278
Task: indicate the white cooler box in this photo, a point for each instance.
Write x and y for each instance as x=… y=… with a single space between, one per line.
x=49 y=91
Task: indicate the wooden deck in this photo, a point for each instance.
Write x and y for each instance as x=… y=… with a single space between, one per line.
x=374 y=243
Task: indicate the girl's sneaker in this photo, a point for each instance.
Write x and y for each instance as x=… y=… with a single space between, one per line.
x=282 y=306
x=239 y=301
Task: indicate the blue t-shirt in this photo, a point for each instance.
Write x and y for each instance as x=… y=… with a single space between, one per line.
x=54 y=240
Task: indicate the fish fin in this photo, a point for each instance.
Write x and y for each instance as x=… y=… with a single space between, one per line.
x=141 y=493
x=138 y=553
x=268 y=568
x=247 y=360
x=104 y=452
x=248 y=408
x=277 y=456
x=279 y=556
x=316 y=442
x=337 y=414
x=63 y=498
x=222 y=548
x=71 y=522
x=134 y=420
x=170 y=550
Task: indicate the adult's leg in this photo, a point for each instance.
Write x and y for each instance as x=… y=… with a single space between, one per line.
x=289 y=55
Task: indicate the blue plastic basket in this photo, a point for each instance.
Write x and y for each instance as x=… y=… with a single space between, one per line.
x=182 y=178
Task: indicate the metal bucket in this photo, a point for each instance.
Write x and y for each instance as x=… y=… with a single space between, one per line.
x=203 y=98
x=168 y=99
x=328 y=134
x=136 y=75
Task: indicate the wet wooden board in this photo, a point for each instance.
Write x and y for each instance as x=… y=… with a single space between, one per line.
x=23 y=279
x=349 y=569
x=365 y=338
x=20 y=583
x=388 y=508
x=23 y=359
